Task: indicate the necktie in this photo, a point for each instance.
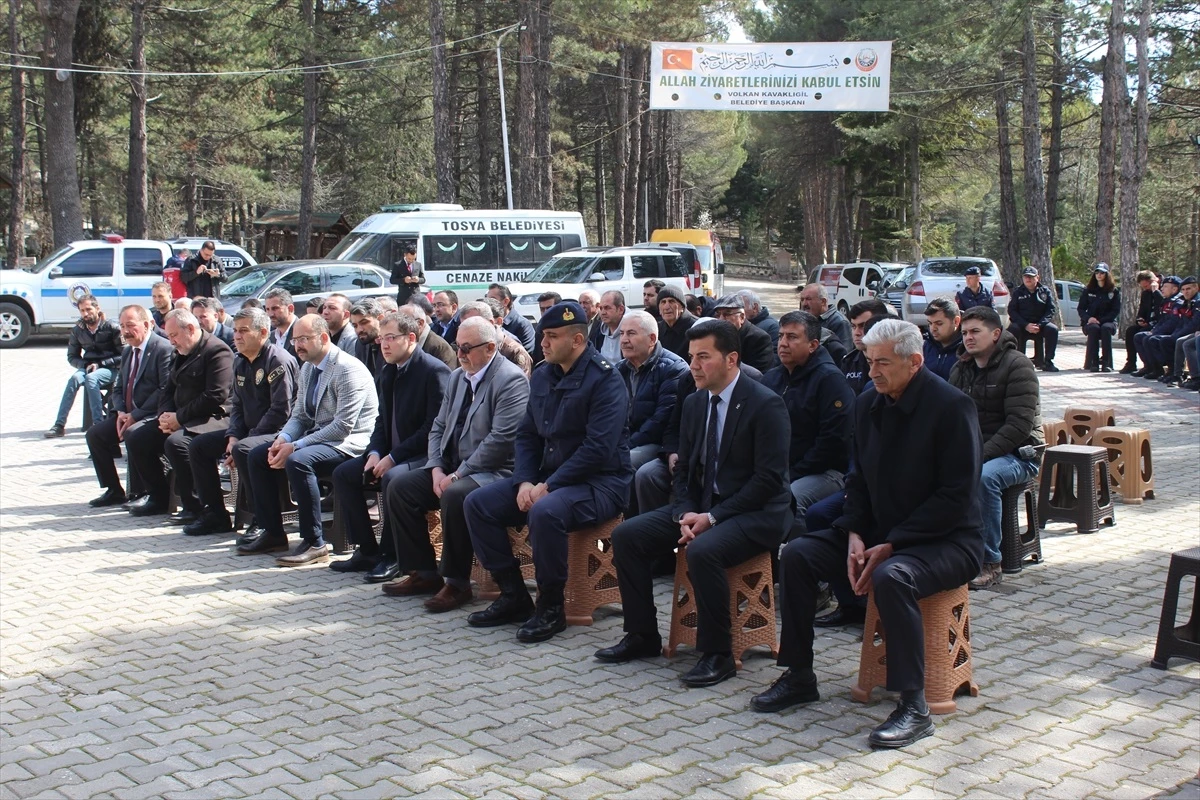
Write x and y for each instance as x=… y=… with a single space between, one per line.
x=460 y=423
x=710 y=458
x=312 y=393
x=133 y=371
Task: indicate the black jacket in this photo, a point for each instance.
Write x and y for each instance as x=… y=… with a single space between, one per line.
x=521 y=328
x=1104 y=306
x=904 y=491
x=755 y=347
x=409 y=399
x=199 y=386
x=683 y=389
x=1007 y=398
x=674 y=337
x=833 y=321
x=202 y=285
x=752 y=464
x=263 y=392
x=765 y=322
x=938 y=359
x=154 y=371
x=1149 y=305
x=819 y=403
x=102 y=347
x=371 y=357
x=854 y=367
x=1036 y=306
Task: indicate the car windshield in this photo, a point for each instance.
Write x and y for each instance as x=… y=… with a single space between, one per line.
x=356 y=247
x=563 y=269
x=956 y=269
x=248 y=282
x=45 y=262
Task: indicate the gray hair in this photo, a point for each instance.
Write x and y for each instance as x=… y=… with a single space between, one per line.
x=592 y=293
x=644 y=321
x=278 y=293
x=749 y=299
x=486 y=330
x=904 y=337
x=388 y=304
x=139 y=312
x=258 y=318
x=182 y=317
x=414 y=311
x=479 y=307
x=367 y=307
x=498 y=309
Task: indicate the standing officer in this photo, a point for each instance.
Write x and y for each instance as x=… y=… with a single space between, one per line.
x=193 y=403
x=1031 y=316
x=203 y=272
x=264 y=385
x=407 y=274
x=974 y=293
x=572 y=470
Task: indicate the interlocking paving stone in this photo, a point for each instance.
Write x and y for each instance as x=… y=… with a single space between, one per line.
x=135 y=662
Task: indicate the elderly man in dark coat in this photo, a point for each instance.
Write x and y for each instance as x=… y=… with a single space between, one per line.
x=911 y=527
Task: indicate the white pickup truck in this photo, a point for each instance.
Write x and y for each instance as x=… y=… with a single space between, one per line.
x=42 y=299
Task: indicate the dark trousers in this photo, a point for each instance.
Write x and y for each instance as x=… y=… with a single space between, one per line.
x=303 y=468
x=1099 y=344
x=1156 y=351
x=203 y=452
x=1045 y=341
x=102 y=442
x=898 y=584
x=241 y=455
x=144 y=449
x=492 y=509
x=638 y=543
x=820 y=517
x=177 y=449
x=350 y=493
x=408 y=498
x=1130 y=350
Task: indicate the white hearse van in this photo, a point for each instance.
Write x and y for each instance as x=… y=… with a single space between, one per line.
x=464 y=250
x=116 y=271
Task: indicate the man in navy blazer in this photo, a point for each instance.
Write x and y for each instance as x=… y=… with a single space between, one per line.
x=727 y=509
x=137 y=393
x=411 y=386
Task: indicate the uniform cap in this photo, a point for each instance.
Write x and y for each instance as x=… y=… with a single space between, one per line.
x=1175 y=279
x=1188 y=280
x=972 y=271
x=560 y=315
x=1030 y=271
x=1101 y=267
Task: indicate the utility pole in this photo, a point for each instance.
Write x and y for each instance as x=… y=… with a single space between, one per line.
x=520 y=26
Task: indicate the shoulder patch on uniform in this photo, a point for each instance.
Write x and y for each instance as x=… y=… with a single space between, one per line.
x=275 y=374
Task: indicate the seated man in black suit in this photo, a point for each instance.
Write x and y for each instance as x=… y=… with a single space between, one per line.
x=728 y=508
x=754 y=344
x=411 y=386
x=137 y=393
x=912 y=527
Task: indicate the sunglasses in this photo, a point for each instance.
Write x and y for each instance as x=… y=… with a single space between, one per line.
x=463 y=349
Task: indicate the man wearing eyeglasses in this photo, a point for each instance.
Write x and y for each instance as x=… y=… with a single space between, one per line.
x=203 y=272
x=470 y=445
x=411 y=386
x=331 y=422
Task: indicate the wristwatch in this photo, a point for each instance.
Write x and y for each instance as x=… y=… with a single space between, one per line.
x=453 y=477
x=712 y=521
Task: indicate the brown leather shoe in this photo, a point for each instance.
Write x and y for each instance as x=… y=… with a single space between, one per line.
x=448 y=599
x=411 y=585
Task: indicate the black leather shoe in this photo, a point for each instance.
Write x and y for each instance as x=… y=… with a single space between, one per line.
x=383 y=571
x=634 y=645
x=1049 y=367
x=112 y=497
x=906 y=725
x=182 y=517
x=147 y=507
x=1129 y=368
x=263 y=544
x=547 y=620
x=209 y=524
x=253 y=531
x=507 y=609
x=1153 y=374
x=842 y=615
x=789 y=690
x=133 y=498
x=711 y=670
x=359 y=562
x=56 y=431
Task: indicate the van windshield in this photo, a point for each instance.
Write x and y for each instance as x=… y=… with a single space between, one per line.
x=360 y=246
x=248 y=282
x=48 y=260
x=563 y=269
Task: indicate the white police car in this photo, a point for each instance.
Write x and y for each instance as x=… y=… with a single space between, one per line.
x=116 y=271
x=232 y=257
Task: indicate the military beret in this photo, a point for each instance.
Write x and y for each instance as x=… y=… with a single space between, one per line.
x=1175 y=279
x=670 y=293
x=560 y=315
x=972 y=271
x=1188 y=280
x=1100 y=267
x=1030 y=271
x=730 y=301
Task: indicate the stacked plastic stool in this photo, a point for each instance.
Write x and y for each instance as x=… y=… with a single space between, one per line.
x=1083 y=422
x=1130 y=467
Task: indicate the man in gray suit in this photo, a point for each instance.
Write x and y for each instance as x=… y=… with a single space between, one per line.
x=331 y=421
x=137 y=392
x=471 y=444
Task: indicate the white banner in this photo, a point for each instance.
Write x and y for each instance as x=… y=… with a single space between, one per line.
x=805 y=76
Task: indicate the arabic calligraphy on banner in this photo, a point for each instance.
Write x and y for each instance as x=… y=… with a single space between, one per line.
x=804 y=76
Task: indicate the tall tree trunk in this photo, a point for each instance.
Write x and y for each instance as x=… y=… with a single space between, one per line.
x=1115 y=95
x=1010 y=244
x=62 y=170
x=136 y=189
x=634 y=133
x=483 y=122
x=1058 y=75
x=308 y=154
x=16 y=205
x=1134 y=147
x=645 y=176
x=914 y=185
x=190 y=198
x=1031 y=140
x=443 y=142
x=601 y=201
x=526 y=189
x=543 y=165
x=620 y=139
x=39 y=128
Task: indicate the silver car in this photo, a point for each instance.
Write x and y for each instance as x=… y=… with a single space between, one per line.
x=915 y=286
x=305 y=280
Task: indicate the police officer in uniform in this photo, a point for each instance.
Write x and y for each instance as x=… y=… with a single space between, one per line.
x=572 y=470
x=974 y=293
x=264 y=385
x=1031 y=316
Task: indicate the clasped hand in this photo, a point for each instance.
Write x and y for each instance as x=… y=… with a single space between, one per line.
x=529 y=493
x=862 y=561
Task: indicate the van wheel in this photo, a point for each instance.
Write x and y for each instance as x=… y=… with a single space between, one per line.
x=843 y=307
x=14 y=326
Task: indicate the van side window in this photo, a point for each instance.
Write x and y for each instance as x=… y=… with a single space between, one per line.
x=143 y=261
x=675 y=266
x=443 y=252
x=530 y=250
x=852 y=275
x=479 y=251
x=644 y=267
x=612 y=267
x=89 y=264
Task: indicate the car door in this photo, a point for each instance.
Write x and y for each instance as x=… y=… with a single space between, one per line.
x=302 y=282
x=352 y=281
x=82 y=272
x=142 y=267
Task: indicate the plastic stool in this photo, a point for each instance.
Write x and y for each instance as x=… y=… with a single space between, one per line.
x=1016 y=545
x=1083 y=422
x=751 y=607
x=946 y=618
x=1088 y=506
x=591 y=574
x=1056 y=433
x=1130 y=467
x=518 y=539
x=1184 y=641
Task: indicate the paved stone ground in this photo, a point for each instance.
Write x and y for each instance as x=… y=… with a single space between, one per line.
x=135 y=662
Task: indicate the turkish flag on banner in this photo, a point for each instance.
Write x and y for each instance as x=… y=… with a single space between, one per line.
x=677 y=59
